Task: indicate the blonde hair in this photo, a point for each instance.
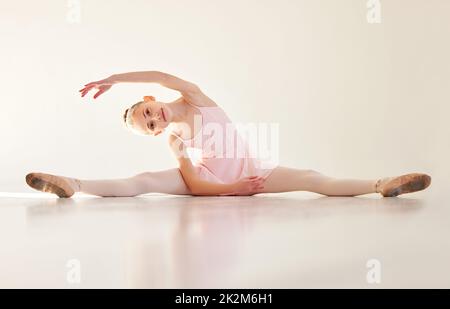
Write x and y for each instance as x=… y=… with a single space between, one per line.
x=128 y=120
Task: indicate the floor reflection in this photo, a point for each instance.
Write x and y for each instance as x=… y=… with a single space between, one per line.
x=190 y=242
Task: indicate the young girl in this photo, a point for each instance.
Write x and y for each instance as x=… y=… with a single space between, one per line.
x=215 y=173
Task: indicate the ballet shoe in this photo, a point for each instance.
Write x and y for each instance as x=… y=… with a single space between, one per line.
x=394 y=186
x=58 y=185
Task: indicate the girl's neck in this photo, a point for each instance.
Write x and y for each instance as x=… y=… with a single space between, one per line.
x=180 y=110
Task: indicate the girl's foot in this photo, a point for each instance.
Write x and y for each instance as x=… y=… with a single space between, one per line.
x=393 y=186
x=59 y=185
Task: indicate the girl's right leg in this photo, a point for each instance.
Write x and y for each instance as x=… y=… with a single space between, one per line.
x=168 y=181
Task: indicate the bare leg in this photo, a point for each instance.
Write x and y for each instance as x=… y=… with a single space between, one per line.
x=168 y=181
x=284 y=179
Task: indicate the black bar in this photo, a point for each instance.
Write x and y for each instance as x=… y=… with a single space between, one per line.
x=206 y=298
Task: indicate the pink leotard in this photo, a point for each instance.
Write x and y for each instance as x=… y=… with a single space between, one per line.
x=229 y=162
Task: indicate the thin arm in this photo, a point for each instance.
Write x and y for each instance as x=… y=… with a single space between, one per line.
x=199 y=186
x=161 y=78
x=190 y=177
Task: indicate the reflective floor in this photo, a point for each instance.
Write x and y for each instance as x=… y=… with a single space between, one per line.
x=295 y=240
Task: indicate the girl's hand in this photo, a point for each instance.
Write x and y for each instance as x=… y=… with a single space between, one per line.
x=102 y=86
x=248 y=186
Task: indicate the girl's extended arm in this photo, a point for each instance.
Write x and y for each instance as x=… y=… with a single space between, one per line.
x=161 y=78
x=246 y=186
x=187 y=89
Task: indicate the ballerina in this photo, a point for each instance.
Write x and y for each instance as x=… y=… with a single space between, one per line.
x=215 y=173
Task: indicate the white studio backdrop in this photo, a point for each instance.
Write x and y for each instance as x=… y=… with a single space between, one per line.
x=352 y=98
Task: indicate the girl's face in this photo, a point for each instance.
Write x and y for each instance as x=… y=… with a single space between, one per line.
x=152 y=117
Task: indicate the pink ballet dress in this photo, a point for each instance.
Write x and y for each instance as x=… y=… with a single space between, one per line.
x=219 y=153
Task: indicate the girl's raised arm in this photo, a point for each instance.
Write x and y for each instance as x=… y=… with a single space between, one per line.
x=186 y=88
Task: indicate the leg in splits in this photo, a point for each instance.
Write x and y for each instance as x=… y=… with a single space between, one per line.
x=167 y=181
x=284 y=179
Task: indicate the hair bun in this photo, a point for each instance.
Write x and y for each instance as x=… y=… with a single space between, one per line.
x=125 y=115
x=149 y=98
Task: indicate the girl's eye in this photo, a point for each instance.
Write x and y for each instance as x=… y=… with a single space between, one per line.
x=148 y=112
x=152 y=126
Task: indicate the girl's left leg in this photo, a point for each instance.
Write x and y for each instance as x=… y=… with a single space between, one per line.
x=285 y=179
